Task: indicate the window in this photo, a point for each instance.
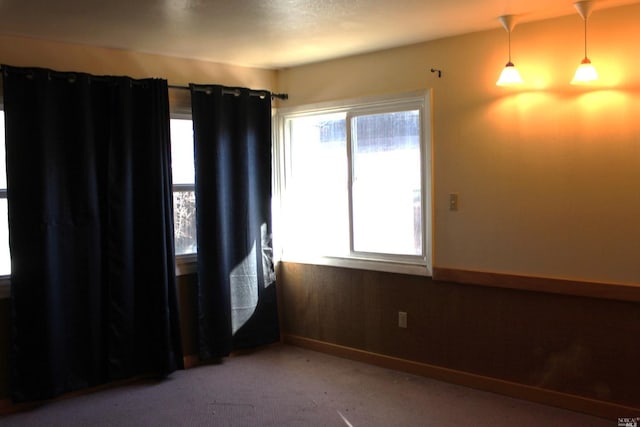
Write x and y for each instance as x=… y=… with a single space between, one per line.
x=5 y=259
x=354 y=184
x=184 y=200
x=183 y=192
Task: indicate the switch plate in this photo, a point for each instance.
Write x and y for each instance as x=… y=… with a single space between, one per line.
x=402 y=319
x=453 y=201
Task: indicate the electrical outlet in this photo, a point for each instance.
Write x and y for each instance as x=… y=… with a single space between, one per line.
x=402 y=319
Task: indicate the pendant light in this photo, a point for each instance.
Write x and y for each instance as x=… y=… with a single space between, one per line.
x=585 y=73
x=510 y=75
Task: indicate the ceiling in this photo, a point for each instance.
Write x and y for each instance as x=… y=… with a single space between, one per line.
x=265 y=33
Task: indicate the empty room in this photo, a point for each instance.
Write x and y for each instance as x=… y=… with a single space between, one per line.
x=320 y=213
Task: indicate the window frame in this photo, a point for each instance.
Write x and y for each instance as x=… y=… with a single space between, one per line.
x=408 y=264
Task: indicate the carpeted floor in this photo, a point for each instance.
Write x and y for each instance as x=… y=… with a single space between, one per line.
x=287 y=386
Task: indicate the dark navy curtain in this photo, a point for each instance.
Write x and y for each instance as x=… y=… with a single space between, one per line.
x=236 y=281
x=93 y=292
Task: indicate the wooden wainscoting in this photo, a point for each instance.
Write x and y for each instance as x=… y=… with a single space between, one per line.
x=563 y=343
x=613 y=291
x=507 y=388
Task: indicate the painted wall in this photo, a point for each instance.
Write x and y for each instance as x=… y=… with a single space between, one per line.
x=28 y=52
x=547 y=174
x=548 y=181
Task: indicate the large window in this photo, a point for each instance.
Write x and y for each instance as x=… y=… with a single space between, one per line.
x=354 y=184
x=183 y=194
x=184 y=200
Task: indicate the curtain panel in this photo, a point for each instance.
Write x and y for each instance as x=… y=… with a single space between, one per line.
x=93 y=293
x=236 y=280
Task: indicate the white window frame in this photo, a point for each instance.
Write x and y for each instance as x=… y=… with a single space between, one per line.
x=407 y=264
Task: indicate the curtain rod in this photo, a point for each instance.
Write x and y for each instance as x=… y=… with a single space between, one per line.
x=236 y=92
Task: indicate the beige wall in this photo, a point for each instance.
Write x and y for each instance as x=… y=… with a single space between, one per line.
x=18 y=51
x=548 y=175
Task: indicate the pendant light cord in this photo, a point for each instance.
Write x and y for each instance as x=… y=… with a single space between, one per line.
x=585 y=37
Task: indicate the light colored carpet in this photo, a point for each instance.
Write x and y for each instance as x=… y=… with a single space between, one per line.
x=283 y=385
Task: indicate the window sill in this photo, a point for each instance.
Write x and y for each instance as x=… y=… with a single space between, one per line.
x=613 y=291
x=185 y=264
x=365 y=264
x=5 y=287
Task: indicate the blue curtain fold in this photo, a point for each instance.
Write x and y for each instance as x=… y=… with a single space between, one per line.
x=236 y=282
x=93 y=292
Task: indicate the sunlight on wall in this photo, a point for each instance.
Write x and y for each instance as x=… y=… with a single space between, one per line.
x=535 y=77
x=520 y=105
x=608 y=102
x=244 y=290
x=610 y=74
x=589 y=114
x=244 y=281
x=605 y=114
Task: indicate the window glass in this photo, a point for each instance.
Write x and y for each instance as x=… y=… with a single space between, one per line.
x=184 y=200
x=3 y=164
x=183 y=196
x=317 y=202
x=5 y=259
x=184 y=222
x=387 y=213
x=182 y=151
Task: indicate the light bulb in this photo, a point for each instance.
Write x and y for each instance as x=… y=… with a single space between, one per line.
x=585 y=73
x=509 y=76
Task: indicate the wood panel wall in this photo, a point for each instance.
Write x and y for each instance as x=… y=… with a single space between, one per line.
x=574 y=345
x=569 y=345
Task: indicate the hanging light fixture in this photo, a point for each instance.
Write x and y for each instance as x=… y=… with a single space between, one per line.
x=510 y=75
x=586 y=72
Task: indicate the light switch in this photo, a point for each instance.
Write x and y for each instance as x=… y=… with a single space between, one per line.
x=453 y=201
